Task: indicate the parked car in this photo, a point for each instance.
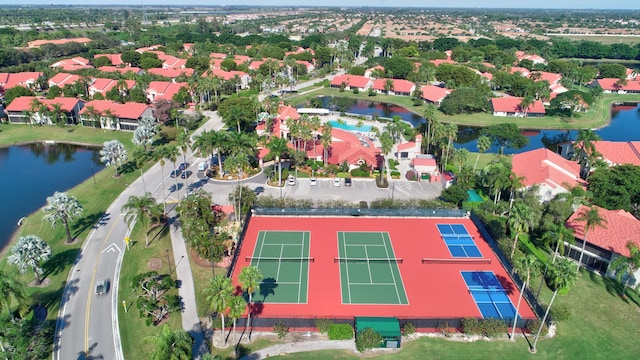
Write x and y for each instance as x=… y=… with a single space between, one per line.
x=102 y=286
x=347 y=182
x=313 y=181
x=336 y=182
x=183 y=166
x=186 y=174
x=176 y=173
x=291 y=181
x=202 y=166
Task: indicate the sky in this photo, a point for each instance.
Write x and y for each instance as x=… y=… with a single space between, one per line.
x=539 y=4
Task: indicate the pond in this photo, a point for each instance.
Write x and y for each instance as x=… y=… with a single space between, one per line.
x=624 y=125
x=33 y=172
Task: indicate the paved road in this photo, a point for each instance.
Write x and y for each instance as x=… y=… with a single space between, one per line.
x=87 y=324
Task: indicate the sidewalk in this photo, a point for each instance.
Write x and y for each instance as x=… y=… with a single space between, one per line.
x=302 y=346
x=190 y=320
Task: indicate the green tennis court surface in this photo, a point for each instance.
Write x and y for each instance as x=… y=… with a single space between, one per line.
x=369 y=271
x=283 y=258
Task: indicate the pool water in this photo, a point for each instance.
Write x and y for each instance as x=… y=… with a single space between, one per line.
x=473 y=196
x=338 y=125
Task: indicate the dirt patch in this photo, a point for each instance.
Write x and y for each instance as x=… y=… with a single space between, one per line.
x=73 y=241
x=43 y=284
x=198 y=260
x=154 y=264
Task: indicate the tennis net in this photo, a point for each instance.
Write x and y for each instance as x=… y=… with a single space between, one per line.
x=282 y=259
x=456 y=261
x=366 y=260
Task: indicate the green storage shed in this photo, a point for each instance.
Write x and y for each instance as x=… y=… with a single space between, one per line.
x=388 y=327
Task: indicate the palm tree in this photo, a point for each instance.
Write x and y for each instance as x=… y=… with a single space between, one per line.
x=451 y=133
x=386 y=142
x=562 y=276
x=483 y=144
x=516 y=183
x=62 y=207
x=159 y=154
x=584 y=145
x=628 y=266
x=561 y=235
x=138 y=208
x=430 y=116
x=113 y=153
x=278 y=147
x=524 y=105
x=140 y=157
x=592 y=219
x=523 y=265
x=519 y=222
x=94 y=115
x=219 y=141
x=219 y=293
x=237 y=307
x=326 y=139
x=171 y=153
x=183 y=140
x=10 y=288
x=250 y=278
x=29 y=252
x=144 y=133
x=171 y=345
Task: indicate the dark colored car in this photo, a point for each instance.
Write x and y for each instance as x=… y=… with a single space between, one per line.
x=176 y=173
x=186 y=174
x=183 y=166
x=102 y=286
x=347 y=181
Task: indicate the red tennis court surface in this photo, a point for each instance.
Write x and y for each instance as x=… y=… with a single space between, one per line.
x=434 y=289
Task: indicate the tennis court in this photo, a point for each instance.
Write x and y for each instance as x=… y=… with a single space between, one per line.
x=459 y=241
x=489 y=295
x=283 y=258
x=369 y=272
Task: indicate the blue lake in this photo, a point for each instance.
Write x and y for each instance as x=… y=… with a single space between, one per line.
x=33 y=172
x=624 y=125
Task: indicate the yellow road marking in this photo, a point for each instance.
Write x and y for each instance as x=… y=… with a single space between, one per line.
x=93 y=277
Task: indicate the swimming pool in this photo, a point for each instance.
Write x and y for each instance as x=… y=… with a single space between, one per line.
x=349 y=127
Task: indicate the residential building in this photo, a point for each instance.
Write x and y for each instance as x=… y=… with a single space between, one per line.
x=510 y=106
x=398 y=86
x=61 y=79
x=116 y=59
x=114 y=116
x=38 y=43
x=25 y=79
x=76 y=63
x=434 y=94
x=29 y=110
x=102 y=86
x=163 y=90
x=613 y=85
x=351 y=82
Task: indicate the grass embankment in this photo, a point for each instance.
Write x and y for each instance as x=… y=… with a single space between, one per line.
x=137 y=259
x=601 y=326
x=598 y=116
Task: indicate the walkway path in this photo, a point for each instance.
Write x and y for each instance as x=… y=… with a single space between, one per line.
x=302 y=346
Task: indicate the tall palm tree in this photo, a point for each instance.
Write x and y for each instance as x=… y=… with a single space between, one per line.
x=250 y=278
x=30 y=252
x=237 y=307
x=560 y=234
x=430 y=115
x=278 y=147
x=591 y=219
x=562 y=276
x=386 y=142
x=451 y=134
x=113 y=153
x=140 y=157
x=326 y=139
x=584 y=146
x=159 y=155
x=139 y=208
x=183 y=140
x=171 y=153
x=219 y=293
x=623 y=265
x=519 y=222
x=62 y=207
x=483 y=144
x=219 y=141
x=236 y=164
x=171 y=345
x=516 y=183
x=10 y=288
x=523 y=265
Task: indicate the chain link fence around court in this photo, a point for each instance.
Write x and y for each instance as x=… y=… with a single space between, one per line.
x=444 y=213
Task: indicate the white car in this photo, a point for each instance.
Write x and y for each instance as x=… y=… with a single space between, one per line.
x=313 y=181
x=202 y=166
x=336 y=182
x=291 y=181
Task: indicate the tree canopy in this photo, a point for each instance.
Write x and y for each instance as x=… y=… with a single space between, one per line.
x=506 y=135
x=617 y=187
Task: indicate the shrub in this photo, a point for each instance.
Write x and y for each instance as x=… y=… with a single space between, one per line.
x=359 y=173
x=534 y=325
x=408 y=329
x=340 y=332
x=356 y=90
x=484 y=327
x=395 y=174
x=323 y=325
x=367 y=339
x=445 y=329
x=382 y=182
x=560 y=312
x=364 y=205
x=471 y=326
x=280 y=329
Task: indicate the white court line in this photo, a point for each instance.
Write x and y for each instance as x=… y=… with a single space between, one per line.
x=366 y=255
x=346 y=266
x=391 y=269
x=279 y=263
x=373 y=284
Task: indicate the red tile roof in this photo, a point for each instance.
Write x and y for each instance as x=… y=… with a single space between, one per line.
x=617 y=152
x=523 y=71
x=434 y=94
x=116 y=59
x=164 y=89
x=10 y=80
x=100 y=85
x=544 y=166
x=38 y=43
x=521 y=55
x=225 y=75
x=512 y=105
x=348 y=147
x=399 y=85
x=439 y=62
x=129 y=110
x=620 y=228
x=552 y=78
x=610 y=85
x=62 y=79
x=423 y=162
x=23 y=103
x=351 y=81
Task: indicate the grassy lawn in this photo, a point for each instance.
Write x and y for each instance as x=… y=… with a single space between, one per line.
x=201 y=275
x=14 y=134
x=244 y=349
x=601 y=326
x=598 y=116
x=483 y=160
x=605 y=39
x=133 y=329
